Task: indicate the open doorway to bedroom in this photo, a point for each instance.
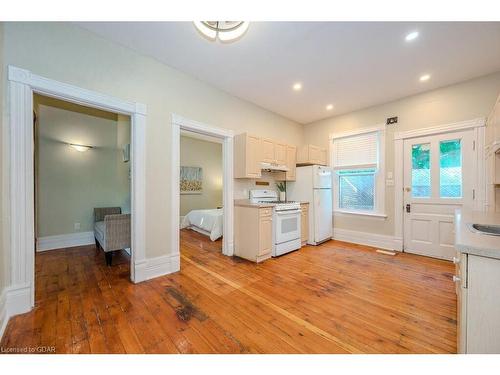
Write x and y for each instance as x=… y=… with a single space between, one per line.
x=82 y=176
x=200 y=193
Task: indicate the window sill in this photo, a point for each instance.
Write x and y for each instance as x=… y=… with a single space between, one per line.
x=360 y=213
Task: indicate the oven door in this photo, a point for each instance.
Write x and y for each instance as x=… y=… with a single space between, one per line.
x=287 y=226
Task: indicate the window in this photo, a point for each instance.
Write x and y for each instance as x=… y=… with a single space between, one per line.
x=450 y=169
x=421 y=170
x=357 y=159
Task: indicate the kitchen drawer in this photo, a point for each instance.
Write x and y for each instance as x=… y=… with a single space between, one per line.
x=267 y=211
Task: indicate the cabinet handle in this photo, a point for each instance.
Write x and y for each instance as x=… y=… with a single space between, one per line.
x=456 y=279
x=456 y=260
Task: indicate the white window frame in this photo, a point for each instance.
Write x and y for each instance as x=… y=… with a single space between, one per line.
x=379 y=194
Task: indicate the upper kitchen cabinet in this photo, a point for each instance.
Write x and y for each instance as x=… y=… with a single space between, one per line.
x=310 y=155
x=291 y=162
x=280 y=153
x=268 y=150
x=247 y=156
x=493 y=126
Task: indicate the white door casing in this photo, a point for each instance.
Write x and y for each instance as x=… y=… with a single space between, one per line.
x=180 y=123
x=428 y=217
x=477 y=176
x=22 y=85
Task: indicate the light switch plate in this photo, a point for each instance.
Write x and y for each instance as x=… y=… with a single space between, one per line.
x=77 y=226
x=389 y=175
x=389 y=182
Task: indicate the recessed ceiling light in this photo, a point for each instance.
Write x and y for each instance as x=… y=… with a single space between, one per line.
x=411 y=36
x=425 y=77
x=329 y=107
x=297 y=86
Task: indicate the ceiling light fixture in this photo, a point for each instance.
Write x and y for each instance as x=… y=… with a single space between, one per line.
x=297 y=86
x=225 y=31
x=329 y=107
x=425 y=77
x=411 y=36
x=80 y=148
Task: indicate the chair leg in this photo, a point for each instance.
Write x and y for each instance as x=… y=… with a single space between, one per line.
x=109 y=257
x=96 y=243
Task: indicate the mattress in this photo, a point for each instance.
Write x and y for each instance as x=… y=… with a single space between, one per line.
x=208 y=221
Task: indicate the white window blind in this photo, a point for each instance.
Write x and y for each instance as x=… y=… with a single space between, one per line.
x=356 y=151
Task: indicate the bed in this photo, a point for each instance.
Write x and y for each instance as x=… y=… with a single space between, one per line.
x=207 y=222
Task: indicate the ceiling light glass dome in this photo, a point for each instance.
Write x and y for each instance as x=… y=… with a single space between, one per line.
x=225 y=31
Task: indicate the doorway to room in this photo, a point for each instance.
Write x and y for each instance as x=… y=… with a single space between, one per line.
x=210 y=221
x=82 y=181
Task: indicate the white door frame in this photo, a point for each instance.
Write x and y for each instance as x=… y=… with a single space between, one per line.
x=180 y=123
x=22 y=84
x=478 y=165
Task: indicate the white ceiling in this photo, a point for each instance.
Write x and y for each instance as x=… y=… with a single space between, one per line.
x=349 y=64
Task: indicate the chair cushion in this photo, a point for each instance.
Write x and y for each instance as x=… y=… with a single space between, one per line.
x=100 y=233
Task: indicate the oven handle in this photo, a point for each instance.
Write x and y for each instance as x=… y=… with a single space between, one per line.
x=288 y=212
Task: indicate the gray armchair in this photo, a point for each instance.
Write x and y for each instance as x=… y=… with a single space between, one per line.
x=111 y=230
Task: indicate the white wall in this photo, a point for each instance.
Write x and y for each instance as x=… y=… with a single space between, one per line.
x=207 y=155
x=3 y=164
x=71 y=183
x=73 y=55
x=463 y=101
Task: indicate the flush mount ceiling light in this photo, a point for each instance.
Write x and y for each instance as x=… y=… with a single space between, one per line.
x=411 y=36
x=425 y=77
x=297 y=86
x=225 y=31
x=80 y=148
x=329 y=107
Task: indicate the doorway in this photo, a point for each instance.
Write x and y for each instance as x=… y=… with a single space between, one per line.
x=22 y=85
x=437 y=180
x=181 y=124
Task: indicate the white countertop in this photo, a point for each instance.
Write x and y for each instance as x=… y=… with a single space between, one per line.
x=469 y=242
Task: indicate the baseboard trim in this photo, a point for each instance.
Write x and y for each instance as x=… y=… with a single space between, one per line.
x=4 y=317
x=368 y=239
x=156 y=267
x=13 y=301
x=64 y=240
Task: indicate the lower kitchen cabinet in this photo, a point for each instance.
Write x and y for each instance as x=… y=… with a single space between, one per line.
x=478 y=304
x=253 y=232
x=304 y=223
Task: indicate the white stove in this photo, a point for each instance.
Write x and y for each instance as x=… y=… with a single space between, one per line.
x=286 y=221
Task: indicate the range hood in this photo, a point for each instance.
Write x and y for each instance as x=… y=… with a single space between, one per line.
x=273 y=167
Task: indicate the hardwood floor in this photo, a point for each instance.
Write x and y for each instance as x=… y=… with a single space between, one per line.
x=333 y=298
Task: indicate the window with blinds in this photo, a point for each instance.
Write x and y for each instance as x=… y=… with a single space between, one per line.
x=357 y=151
x=356 y=160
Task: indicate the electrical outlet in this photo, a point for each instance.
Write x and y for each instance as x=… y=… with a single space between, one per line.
x=77 y=226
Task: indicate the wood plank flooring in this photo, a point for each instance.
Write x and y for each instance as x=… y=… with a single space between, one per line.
x=333 y=298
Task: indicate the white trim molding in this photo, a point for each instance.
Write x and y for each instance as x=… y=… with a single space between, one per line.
x=4 y=317
x=478 y=126
x=64 y=240
x=22 y=85
x=368 y=239
x=159 y=266
x=446 y=128
x=180 y=123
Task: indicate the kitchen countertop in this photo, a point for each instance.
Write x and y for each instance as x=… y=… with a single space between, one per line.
x=469 y=242
x=247 y=203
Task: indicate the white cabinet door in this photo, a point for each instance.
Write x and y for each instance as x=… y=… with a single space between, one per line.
x=483 y=305
x=437 y=180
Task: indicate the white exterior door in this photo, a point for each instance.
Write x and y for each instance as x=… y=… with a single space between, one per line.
x=437 y=179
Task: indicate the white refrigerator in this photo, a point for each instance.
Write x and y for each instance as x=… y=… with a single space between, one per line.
x=313 y=184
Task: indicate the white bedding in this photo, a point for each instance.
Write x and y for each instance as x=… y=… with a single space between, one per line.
x=209 y=221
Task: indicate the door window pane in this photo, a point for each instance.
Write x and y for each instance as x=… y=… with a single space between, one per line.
x=450 y=169
x=357 y=189
x=421 y=170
